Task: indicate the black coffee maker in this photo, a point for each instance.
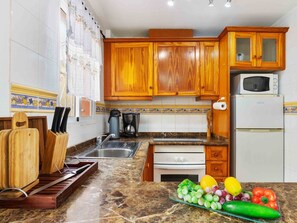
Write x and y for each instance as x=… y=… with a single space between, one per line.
x=130 y=124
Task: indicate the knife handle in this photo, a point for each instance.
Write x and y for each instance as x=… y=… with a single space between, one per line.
x=55 y=120
x=64 y=120
x=60 y=114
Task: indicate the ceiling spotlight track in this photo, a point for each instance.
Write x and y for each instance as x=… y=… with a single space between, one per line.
x=211 y=4
x=228 y=4
x=170 y=2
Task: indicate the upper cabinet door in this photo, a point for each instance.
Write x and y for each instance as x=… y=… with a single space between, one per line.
x=131 y=69
x=176 y=68
x=270 y=50
x=243 y=49
x=257 y=51
x=209 y=68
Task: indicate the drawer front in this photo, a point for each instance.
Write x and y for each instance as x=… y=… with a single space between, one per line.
x=179 y=158
x=216 y=169
x=216 y=153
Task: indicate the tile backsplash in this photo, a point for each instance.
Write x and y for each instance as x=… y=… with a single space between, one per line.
x=164 y=114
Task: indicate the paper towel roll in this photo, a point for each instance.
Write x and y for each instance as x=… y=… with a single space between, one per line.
x=219 y=106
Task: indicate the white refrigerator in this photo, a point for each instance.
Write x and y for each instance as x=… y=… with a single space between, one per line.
x=257 y=151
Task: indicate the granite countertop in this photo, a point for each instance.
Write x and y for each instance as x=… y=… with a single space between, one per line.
x=115 y=193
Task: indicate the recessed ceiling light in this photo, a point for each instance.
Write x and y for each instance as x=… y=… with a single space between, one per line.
x=228 y=4
x=170 y=2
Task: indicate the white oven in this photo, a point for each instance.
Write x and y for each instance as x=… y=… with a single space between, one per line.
x=177 y=162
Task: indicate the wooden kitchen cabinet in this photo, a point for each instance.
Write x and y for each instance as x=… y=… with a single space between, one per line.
x=148 y=170
x=176 y=68
x=128 y=73
x=217 y=162
x=260 y=49
x=209 y=70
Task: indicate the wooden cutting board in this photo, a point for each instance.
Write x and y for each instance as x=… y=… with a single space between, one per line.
x=4 y=135
x=23 y=155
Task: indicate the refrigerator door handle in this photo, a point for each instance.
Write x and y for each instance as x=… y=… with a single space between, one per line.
x=259 y=130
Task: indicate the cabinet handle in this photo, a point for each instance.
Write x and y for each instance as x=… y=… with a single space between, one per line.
x=216 y=169
x=215 y=154
x=151 y=87
x=202 y=87
x=260 y=57
x=255 y=57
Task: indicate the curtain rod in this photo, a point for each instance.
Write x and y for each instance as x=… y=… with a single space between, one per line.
x=101 y=32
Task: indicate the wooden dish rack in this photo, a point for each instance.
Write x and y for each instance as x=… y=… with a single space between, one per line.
x=18 y=173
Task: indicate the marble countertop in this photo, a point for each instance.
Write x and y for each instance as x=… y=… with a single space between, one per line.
x=115 y=193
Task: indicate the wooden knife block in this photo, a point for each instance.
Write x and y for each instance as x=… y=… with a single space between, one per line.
x=55 y=152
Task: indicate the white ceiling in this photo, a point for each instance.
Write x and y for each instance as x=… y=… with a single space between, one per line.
x=132 y=18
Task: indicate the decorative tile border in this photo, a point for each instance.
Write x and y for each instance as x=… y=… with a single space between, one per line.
x=101 y=108
x=290 y=108
x=155 y=109
x=31 y=100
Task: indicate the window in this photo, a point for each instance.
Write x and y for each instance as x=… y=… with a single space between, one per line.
x=80 y=58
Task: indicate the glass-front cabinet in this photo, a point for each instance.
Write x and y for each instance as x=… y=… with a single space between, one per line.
x=257 y=50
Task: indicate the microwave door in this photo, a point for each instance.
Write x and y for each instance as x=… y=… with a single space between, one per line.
x=256 y=84
x=256 y=111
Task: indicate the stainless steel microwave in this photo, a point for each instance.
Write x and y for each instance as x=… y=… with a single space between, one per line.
x=255 y=84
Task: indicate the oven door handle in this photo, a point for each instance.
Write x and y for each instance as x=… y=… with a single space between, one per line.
x=179 y=167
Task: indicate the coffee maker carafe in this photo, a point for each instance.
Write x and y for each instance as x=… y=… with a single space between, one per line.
x=114 y=124
x=131 y=124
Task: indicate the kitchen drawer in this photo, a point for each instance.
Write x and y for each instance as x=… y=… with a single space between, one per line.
x=216 y=168
x=216 y=153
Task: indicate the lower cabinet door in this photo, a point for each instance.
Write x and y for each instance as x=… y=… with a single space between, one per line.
x=216 y=168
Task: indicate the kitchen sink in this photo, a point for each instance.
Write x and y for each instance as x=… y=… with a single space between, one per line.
x=179 y=140
x=113 y=149
x=112 y=152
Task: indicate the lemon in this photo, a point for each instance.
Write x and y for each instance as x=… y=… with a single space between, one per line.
x=207 y=181
x=232 y=186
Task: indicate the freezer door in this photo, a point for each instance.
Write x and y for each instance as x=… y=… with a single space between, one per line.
x=257 y=111
x=258 y=155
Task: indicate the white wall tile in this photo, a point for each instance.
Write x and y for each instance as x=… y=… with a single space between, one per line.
x=182 y=123
x=49 y=13
x=24 y=27
x=182 y=100
x=168 y=123
x=49 y=74
x=47 y=43
x=168 y=100
x=30 y=5
x=155 y=123
x=24 y=66
x=145 y=122
x=194 y=123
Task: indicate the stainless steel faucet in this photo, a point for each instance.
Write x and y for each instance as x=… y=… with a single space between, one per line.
x=99 y=141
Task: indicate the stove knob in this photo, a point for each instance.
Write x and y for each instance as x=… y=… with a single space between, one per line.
x=182 y=159
x=176 y=159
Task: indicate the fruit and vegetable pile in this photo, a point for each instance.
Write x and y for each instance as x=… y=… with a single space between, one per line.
x=258 y=203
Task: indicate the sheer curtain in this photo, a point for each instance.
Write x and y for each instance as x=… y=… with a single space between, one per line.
x=84 y=59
